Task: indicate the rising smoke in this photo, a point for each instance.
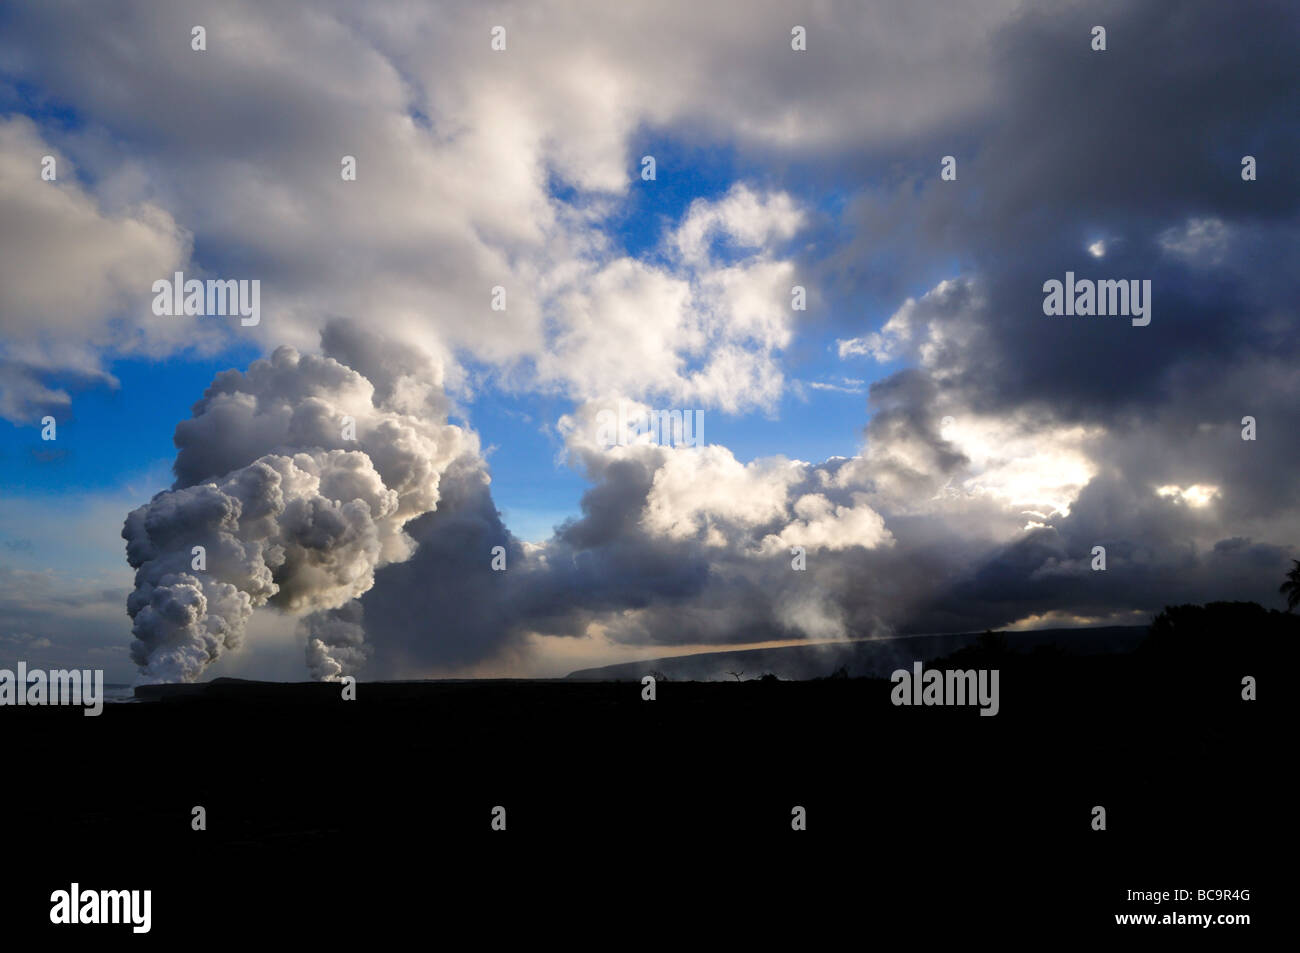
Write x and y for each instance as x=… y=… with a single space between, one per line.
x=297 y=478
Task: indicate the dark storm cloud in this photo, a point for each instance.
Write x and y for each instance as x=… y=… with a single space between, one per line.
x=1125 y=145
x=1138 y=147
x=1149 y=563
x=447 y=607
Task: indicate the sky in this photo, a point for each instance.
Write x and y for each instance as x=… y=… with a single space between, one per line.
x=404 y=468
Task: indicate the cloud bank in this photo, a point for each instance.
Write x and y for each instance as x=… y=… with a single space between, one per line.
x=999 y=446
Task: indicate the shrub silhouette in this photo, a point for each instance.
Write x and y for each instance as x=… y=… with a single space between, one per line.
x=1238 y=637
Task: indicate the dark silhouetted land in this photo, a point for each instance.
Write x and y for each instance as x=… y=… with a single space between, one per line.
x=611 y=799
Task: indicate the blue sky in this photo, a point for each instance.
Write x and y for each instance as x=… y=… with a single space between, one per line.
x=112 y=432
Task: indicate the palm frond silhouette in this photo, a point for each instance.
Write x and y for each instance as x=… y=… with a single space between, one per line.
x=1291 y=588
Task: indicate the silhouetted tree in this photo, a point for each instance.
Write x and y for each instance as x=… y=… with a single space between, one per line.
x=1291 y=588
x=1219 y=629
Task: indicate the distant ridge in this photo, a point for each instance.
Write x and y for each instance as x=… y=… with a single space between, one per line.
x=863 y=658
x=226 y=688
